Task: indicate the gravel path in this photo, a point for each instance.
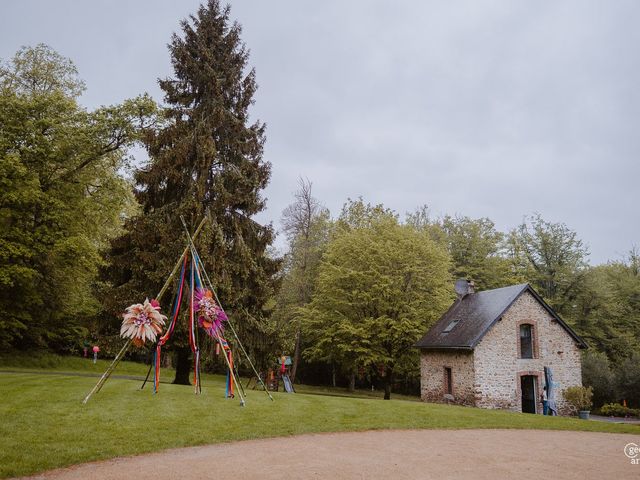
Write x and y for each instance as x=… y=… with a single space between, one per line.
x=389 y=455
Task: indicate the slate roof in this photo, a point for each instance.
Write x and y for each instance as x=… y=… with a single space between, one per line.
x=472 y=316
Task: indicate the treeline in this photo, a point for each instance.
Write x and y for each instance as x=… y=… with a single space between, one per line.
x=62 y=197
x=84 y=233
x=358 y=290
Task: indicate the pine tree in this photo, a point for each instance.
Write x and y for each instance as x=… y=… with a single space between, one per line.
x=206 y=158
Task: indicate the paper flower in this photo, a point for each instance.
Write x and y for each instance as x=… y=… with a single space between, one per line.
x=142 y=322
x=210 y=315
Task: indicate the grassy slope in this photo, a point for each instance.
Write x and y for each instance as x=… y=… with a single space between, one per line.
x=57 y=363
x=45 y=426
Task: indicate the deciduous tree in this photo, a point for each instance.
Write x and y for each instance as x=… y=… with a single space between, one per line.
x=61 y=197
x=477 y=250
x=306 y=224
x=552 y=258
x=380 y=286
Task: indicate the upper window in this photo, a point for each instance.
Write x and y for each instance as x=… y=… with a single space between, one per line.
x=450 y=326
x=526 y=341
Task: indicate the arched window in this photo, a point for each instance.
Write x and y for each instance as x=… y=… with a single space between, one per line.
x=526 y=341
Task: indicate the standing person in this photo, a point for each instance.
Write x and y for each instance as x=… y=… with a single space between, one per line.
x=85 y=348
x=96 y=349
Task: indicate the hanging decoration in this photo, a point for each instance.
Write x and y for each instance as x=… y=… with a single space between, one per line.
x=194 y=283
x=174 y=317
x=210 y=315
x=142 y=322
x=229 y=390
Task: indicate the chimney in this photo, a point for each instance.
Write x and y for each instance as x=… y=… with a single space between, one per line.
x=464 y=287
x=471 y=287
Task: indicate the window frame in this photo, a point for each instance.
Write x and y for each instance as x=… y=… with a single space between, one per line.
x=448 y=380
x=534 y=339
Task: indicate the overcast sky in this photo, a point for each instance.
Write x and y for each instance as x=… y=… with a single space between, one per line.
x=482 y=108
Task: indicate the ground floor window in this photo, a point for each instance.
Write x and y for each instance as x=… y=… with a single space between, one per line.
x=448 y=381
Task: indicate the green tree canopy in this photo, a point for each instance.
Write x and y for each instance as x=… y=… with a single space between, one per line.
x=380 y=286
x=552 y=258
x=607 y=310
x=61 y=197
x=306 y=224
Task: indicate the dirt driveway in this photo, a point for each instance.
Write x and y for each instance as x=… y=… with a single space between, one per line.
x=389 y=455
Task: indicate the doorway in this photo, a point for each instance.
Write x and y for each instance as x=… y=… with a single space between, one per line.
x=528 y=389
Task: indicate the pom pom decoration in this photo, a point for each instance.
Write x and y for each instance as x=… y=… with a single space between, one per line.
x=210 y=315
x=142 y=322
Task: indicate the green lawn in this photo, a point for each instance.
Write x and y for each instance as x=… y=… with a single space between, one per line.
x=57 y=363
x=44 y=425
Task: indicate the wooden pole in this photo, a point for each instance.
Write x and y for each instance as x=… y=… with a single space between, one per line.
x=109 y=370
x=233 y=376
x=224 y=354
x=206 y=276
x=179 y=262
x=125 y=347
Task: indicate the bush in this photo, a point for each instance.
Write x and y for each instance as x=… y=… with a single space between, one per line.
x=597 y=374
x=628 y=378
x=579 y=397
x=617 y=410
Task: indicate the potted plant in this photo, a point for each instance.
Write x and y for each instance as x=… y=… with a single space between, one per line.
x=580 y=400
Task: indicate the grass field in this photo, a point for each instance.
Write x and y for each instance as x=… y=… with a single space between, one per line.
x=44 y=425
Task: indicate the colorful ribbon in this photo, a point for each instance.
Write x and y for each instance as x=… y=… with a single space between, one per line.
x=169 y=332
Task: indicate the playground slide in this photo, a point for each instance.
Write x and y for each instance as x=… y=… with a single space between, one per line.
x=288 y=387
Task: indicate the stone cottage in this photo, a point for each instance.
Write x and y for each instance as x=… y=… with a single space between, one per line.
x=490 y=348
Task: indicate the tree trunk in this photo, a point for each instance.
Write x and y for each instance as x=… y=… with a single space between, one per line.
x=183 y=366
x=296 y=357
x=352 y=382
x=388 y=379
x=333 y=375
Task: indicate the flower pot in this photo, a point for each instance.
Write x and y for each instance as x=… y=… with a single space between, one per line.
x=583 y=414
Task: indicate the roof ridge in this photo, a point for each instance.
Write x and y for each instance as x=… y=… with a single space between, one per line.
x=521 y=285
x=470 y=317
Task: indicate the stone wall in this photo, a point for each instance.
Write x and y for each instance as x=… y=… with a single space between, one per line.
x=432 y=370
x=498 y=367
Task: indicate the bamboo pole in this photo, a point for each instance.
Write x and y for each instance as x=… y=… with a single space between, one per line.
x=179 y=262
x=233 y=376
x=194 y=254
x=108 y=371
x=206 y=276
x=125 y=347
x=235 y=335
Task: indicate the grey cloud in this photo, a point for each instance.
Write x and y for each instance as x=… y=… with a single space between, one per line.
x=482 y=108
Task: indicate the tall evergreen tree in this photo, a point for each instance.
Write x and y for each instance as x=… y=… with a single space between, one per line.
x=206 y=158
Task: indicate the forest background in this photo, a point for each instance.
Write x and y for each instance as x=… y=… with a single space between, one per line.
x=87 y=230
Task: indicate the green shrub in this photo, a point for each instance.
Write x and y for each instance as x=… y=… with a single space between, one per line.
x=628 y=379
x=597 y=373
x=617 y=410
x=579 y=397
